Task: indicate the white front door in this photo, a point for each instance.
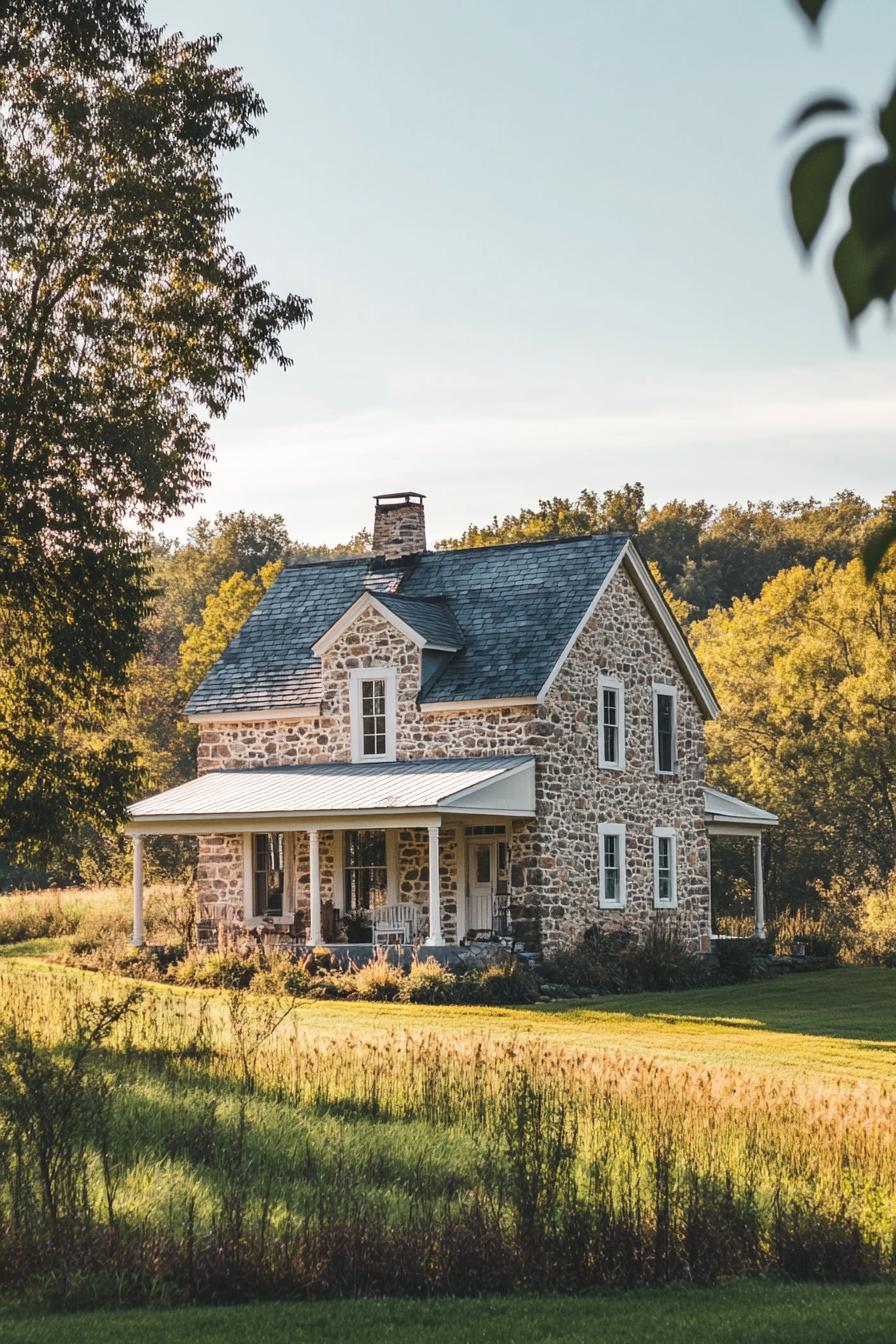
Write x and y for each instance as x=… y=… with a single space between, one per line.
x=481 y=874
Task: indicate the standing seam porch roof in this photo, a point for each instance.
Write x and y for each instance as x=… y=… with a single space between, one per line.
x=725 y=809
x=516 y=608
x=380 y=786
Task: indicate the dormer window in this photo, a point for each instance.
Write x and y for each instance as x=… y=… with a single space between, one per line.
x=373 y=713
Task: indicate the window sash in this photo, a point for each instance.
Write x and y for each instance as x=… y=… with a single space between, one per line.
x=612 y=865
x=665 y=729
x=611 y=723
x=365 y=870
x=373 y=704
x=611 y=869
x=664 y=868
x=268 y=872
x=373 y=716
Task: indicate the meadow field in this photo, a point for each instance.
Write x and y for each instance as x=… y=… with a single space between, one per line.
x=727 y=1152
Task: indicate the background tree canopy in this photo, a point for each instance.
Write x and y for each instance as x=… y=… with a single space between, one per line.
x=127 y=321
x=800 y=649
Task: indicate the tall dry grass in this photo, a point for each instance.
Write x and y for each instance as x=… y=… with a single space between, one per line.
x=237 y=1155
x=95 y=914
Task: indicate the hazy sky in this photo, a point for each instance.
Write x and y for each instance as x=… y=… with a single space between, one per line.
x=546 y=248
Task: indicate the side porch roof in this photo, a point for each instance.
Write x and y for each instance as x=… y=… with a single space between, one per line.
x=382 y=793
x=726 y=814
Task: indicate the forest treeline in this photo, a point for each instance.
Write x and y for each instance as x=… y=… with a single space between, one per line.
x=800 y=649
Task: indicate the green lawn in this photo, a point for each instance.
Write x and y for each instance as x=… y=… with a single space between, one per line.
x=822 y=1029
x=837 y=1024
x=734 y=1314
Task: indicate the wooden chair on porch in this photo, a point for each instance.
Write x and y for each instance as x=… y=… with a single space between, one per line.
x=394 y=923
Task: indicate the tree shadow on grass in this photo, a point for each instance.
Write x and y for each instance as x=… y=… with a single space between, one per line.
x=854 y=1004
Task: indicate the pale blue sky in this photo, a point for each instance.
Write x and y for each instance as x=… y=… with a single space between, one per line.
x=546 y=247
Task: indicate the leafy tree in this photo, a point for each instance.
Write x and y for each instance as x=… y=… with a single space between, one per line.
x=613 y=511
x=187 y=575
x=706 y=557
x=864 y=260
x=127 y=321
x=223 y=615
x=806 y=676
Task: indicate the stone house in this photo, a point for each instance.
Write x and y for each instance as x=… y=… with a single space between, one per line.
x=439 y=746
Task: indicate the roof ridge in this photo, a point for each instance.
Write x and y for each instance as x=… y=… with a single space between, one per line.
x=535 y=541
x=330 y=560
x=367 y=556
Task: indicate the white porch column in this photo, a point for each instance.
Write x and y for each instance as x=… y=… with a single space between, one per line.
x=314 y=932
x=137 y=936
x=758 y=888
x=435 y=938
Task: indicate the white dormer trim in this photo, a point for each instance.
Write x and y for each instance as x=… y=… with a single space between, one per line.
x=371 y=601
x=663 y=619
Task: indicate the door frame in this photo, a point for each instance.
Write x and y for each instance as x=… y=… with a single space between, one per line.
x=492 y=841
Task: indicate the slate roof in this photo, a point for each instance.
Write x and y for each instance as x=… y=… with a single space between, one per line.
x=368 y=787
x=515 y=607
x=431 y=617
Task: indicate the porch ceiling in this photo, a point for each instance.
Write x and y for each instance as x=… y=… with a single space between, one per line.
x=385 y=792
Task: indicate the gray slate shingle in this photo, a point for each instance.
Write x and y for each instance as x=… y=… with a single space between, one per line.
x=511 y=608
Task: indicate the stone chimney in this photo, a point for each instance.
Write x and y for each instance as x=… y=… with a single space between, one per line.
x=399 y=525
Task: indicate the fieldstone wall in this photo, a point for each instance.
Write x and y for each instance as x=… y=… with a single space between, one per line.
x=575 y=795
x=555 y=857
x=399 y=529
x=219 y=871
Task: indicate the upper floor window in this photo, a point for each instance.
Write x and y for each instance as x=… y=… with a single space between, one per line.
x=373 y=714
x=665 y=875
x=611 y=838
x=611 y=723
x=665 y=728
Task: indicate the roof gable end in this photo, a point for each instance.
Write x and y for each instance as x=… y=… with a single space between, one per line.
x=419 y=622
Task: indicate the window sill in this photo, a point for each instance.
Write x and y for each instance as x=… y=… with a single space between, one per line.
x=611 y=905
x=611 y=765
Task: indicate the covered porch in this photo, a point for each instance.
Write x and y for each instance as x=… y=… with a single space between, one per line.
x=726 y=815
x=385 y=853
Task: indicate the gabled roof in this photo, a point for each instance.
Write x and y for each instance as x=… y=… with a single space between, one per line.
x=427 y=622
x=511 y=613
x=485 y=785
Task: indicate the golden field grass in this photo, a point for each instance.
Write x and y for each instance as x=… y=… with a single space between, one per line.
x=646 y=1138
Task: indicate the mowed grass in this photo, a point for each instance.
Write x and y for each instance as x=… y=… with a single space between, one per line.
x=832 y=1025
x=747 y=1313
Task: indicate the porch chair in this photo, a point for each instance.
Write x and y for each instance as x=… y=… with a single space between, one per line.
x=394 y=923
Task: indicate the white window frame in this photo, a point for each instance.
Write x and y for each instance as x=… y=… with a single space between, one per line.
x=660 y=689
x=613 y=684
x=612 y=828
x=388 y=676
x=665 y=833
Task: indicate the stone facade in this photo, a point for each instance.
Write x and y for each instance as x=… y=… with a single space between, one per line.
x=554 y=857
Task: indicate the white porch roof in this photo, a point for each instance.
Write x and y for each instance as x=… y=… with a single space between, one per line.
x=725 y=812
x=392 y=792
